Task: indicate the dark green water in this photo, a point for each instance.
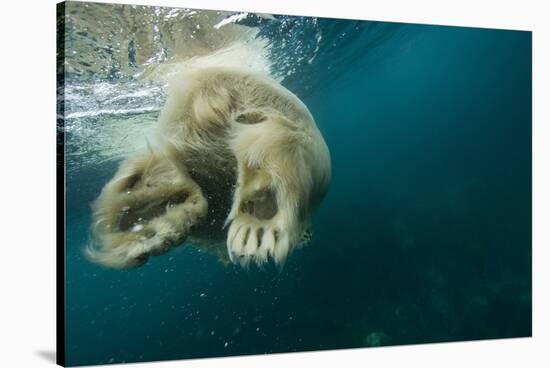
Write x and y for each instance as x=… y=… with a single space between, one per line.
x=424 y=236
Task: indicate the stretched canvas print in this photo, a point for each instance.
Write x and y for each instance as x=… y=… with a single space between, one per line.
x=232 y=183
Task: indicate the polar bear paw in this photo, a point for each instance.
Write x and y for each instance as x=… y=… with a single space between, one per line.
x=146 y=209
x=258 y=230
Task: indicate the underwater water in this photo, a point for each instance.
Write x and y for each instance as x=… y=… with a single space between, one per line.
x=423 y=237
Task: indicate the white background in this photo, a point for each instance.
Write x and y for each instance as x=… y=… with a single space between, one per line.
x=27 y=203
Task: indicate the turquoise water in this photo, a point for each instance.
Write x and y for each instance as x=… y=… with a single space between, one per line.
x=424 y=236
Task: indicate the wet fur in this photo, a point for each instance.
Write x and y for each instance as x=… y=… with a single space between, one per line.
x=243 y=148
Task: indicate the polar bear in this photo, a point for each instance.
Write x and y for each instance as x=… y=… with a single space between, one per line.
x=239 y=161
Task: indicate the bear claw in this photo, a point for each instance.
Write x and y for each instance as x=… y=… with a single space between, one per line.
x=251 y=240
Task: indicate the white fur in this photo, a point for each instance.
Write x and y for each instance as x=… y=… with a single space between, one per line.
x=229 y=132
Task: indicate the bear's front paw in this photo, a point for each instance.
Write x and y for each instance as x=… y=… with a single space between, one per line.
x=259 y=232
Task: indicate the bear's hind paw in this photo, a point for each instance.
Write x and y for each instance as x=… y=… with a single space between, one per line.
x=146 y=209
